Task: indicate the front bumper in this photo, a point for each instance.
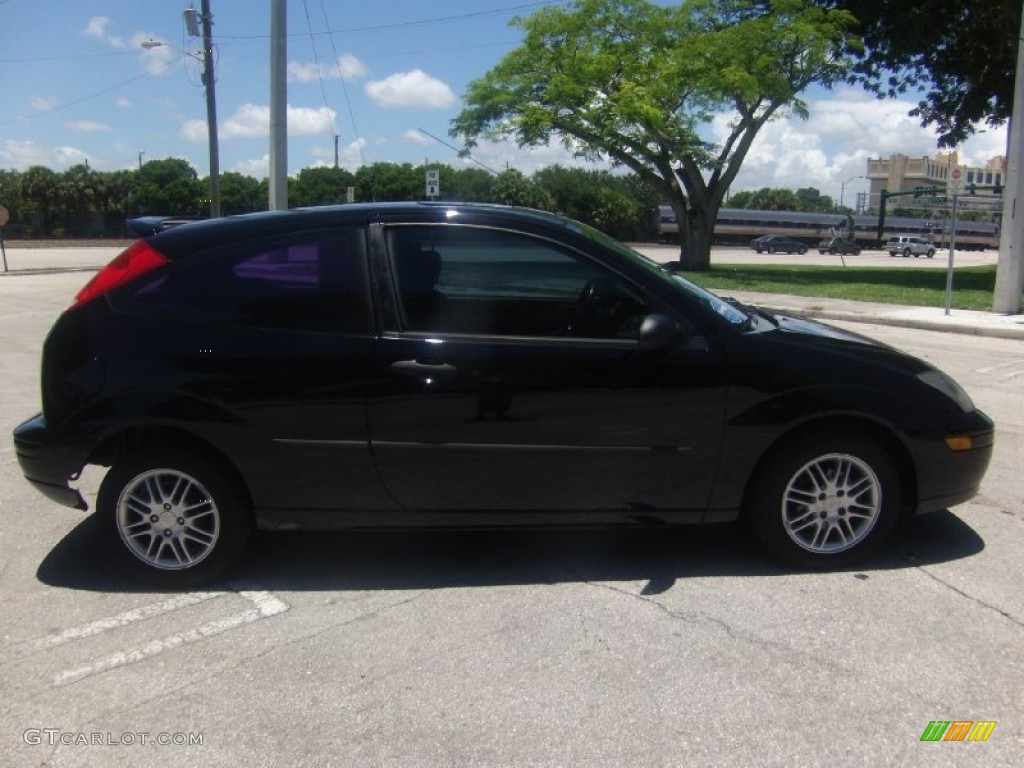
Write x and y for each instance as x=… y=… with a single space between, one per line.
x=946 y=477
x=47 y=463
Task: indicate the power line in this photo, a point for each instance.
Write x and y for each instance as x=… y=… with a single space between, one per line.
x=319 y=72
x=406 y=24
x=344 y=88
x=59 y=107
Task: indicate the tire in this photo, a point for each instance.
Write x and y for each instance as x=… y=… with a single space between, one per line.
x=799 y=503
x=802 y=251
x=906 y=253
x=931 y=253
x=771 y=249
x=174 y=518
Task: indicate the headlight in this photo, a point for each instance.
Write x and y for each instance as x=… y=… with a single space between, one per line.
x=945 y=384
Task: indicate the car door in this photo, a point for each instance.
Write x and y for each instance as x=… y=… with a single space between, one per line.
x=514 y=383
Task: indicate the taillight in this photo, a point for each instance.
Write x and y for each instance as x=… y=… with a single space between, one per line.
x=138 y=259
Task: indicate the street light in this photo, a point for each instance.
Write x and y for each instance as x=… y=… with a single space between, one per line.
x=842 y=189
x=211 y=111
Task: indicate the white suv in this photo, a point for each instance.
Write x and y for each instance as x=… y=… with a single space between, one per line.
x=907 y=244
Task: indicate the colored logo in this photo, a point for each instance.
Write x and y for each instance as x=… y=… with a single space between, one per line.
x=958 y=730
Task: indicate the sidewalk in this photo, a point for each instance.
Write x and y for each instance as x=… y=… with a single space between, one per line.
x=42 y=260
x=926 y=318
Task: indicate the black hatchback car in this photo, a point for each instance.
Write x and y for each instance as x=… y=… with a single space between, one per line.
x=777 y=244
x=470 y=365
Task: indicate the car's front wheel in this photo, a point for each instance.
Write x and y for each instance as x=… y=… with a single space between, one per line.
x=175 y=518
x=826 y=501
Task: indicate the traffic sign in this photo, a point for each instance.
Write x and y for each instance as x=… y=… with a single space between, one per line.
x=957 y=180
x=433 y=183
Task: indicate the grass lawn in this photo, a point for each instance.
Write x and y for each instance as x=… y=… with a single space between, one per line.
x=926 y=287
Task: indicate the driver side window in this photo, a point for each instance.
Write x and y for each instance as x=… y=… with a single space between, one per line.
x=453 y=279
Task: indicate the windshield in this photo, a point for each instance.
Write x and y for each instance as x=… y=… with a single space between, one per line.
x=735 y=315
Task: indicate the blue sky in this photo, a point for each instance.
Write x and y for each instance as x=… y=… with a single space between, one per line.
x=78 y=85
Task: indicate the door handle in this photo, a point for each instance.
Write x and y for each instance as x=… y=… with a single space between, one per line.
x=416 y=367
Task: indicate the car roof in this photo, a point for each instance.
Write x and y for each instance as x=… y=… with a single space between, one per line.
x=207 y=233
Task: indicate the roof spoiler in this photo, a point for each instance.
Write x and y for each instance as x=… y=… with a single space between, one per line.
x=144 y=226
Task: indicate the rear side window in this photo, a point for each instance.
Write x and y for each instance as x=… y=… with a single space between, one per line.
x=308 y=283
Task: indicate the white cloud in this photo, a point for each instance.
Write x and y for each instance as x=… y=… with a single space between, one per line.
x=411 y=89
x=417 y=137
x=350 y=156
x=258 y=168
x=253 y=121
x=96 y=28
x=829 y=149
x=86 y=126
x=20 y=155
x=122 y=102
x=347 y=67
x=498 y=155
x=42 y=103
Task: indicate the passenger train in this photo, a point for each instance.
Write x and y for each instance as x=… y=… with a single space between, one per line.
x=737 y=226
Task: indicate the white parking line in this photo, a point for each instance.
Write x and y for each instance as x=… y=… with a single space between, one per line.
x=262 y=605
x=266 y=604
x=124 y=619
x=1008 y=370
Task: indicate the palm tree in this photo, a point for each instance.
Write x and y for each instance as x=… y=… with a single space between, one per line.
x=39 y=187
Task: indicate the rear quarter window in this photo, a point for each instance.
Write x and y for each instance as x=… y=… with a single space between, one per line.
x=306 y=283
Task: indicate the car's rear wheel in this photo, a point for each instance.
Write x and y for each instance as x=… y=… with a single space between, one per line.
x=931 y=253
x=177 y=519
x=826 y=501
x=906 y=253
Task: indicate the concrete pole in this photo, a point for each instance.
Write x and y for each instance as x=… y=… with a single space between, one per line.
x=278 y=106
x=1010 y=270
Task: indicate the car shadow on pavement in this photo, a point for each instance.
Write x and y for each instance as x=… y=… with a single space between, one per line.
x=429 y=559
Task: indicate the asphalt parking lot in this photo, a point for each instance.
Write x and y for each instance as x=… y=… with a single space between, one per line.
x=592 y=648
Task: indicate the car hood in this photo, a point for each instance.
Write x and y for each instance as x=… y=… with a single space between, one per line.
x=804 y=332
x=807 y=327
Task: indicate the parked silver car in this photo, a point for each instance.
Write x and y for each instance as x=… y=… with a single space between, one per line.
x=904 y=245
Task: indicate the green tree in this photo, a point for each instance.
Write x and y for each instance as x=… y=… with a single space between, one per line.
x=511 y=187
x=470 y=185
x=238 y=193
x=167 y=187
x=811 y=200
x=389 y=181
x=962 y=54
x=596 y=197
x=10 y=193
x=640 y=83
x=321 y=186
x=41 y=191
x=113 y=190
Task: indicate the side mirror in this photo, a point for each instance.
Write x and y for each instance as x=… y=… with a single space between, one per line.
x=659 y=333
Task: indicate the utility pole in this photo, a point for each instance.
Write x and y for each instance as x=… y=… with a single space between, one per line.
x=1010 y=269
x=211 y=109
x=278 y=106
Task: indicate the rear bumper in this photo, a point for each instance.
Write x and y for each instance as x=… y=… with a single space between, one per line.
x=49 y=464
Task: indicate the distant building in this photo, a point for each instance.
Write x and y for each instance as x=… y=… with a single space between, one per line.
x=899 y=173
